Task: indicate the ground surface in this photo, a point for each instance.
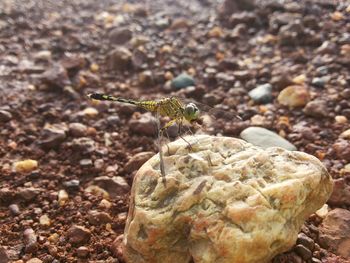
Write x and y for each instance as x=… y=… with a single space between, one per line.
x=52 y=53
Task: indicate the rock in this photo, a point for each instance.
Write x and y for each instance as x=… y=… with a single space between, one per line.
x=115 y=186
x=345 y=134
x=341 y=119
x=5 y=116
x=30 y=240
x=323 y=211
x=117 y=246
x=319 y=82
x=82 y=252
x=182 y=81
x=6 y=195
x=305 y=241
x=72 y=185
x=27 y=194
x=146 y=78
x=56 y=77
x=335 y=232
x=78 y=235
x=294 y=96
x=4 y=257
x=119 y=36
x=62 y=197
x=34 y=260
x=26 y=166
x=85 y=162
x=220 y=201
x=341 y=193
x=84 y=145
x=215 y=32
x=281 y=80
x=52 y=137
x=98 y=191
x=342 y=149
x=44 y=220
x=98 y=218
x=145 y=125
x=304 y=252
x=265 y=138
x=345 y=93
x=316 y=108
x=137 y=161
x=262 y=93
x=14 y=209
x=77 y=129
x=89 y=112
x=73 y=63
x=119 y=59
x=244 y=17
x=230 y=6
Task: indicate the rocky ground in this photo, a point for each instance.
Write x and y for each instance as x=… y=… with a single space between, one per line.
x=67 y=164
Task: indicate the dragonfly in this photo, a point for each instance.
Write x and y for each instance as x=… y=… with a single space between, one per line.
x=176 y=109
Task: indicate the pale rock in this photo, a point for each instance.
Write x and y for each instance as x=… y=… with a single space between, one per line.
x=98 y=191
x=226 y=201
x=26 y=166
x=345 y=134
x=34 y=260
x=323 y=211
x=45 y=220
x=294 y=96
x=62 y=197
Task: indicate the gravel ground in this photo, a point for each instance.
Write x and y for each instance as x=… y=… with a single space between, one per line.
x=67 y=164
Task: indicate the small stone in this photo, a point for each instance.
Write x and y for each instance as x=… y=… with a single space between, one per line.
x=113 y=120
x=323 y=211
x=105 y=204
x=78 y=235
x=315 y=260
x=258 y=120
x=137 y=161
x=215 y=32
x=4 y=257
x=341 y=119
x=77 y=129
x=62 y=197
x=56 y=77
x=319 y=82
x=182 y=81
x=294 y=96
x=98 y=218
x=54 y=238
x=146 y=78
x=341 y=193
x=34 y=260
x=119 y=36
x=72 y=62
x=28 y=193
x=44 y=220
x=342 y=149
x=306 y=241
x=119 y=59
x=85 y=162
x=145 y=124
x=94 y=67
x=30 y=240
x=84 y=144
x=90 y=112
x=26 y=166
x=14 y=209
x=72 y=185
x=281 y=80
x=98 y=191
x=115 y=186
x=179 y=23
x=261 y=94
x=265 y=138
x=117 y=246
x=52 y=137
x=346 y=93
x=82 y=252
x=335 y=232
x=5 y=116
x=316 y=108
x=304 y=252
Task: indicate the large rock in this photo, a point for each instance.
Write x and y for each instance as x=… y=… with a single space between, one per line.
x=226 y=201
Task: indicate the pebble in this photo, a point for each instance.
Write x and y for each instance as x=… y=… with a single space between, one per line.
x=98 y=191
x=34 y=260
x=98 y=218
x=294 y=96
x=78 y=235
x=316 y=108
x=323 y=211
x=119 y=59
x=82 y=252
x=72 y=185
x=341 y=193
x=113 y=120
x=304 y=252
x=341 y=119
x=5 y=116
x=146 y=78
x=261 y=94
x=28 y=193
x=14 y=209
x=105 y=204
x=44 y=220
x=137 y=161
x=26 y=166
x=145 y=125
x=334 y=232
x=77 y=129
x=182 y=81
x=90 y=112
x=281 y=81
x=85 y=163
x=119 y=36
x=52 y=137
x=4 y=257
x=56 y=77
x=265 y=138
x=84 y=145
x=53 y=238
x=342 y=149
x=115 y=186
x=30 y=240
x=62 y=197
x=346 y=93
x=215 y=32
x=319 y=82
x=306 y=241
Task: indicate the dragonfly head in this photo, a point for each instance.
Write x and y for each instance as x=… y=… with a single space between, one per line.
x=191 y=112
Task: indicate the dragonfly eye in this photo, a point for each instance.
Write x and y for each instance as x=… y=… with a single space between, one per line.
x=191 y=112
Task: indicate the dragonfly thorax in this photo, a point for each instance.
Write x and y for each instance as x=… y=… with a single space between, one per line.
x=191 y=112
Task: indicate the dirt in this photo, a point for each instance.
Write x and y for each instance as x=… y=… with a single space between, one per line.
x=53 y=53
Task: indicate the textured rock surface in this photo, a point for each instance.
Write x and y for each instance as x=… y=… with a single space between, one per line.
x=226 y=201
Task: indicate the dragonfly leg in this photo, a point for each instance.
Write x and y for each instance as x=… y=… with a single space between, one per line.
x=167 y=146
x=161 y=161
x=179 y=123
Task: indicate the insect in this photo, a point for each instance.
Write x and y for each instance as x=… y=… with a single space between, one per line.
x=176 y=109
